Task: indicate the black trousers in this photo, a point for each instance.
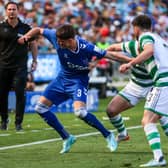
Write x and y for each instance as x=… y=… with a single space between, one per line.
x=15 y=79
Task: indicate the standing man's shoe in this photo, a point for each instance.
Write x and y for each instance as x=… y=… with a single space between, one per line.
x=19 y=127
x=4 y=125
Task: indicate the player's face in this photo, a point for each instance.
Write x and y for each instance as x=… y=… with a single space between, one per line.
x=136 y=31
x=12 y=11
x=64 y=43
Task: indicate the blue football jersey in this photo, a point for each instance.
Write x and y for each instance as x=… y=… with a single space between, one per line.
x=74 y=63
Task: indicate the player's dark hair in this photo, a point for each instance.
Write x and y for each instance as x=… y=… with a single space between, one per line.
x=142 y=21
x=11 y=2
x=65 y=32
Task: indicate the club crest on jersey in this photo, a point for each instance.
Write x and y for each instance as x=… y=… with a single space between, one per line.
x=65 y=55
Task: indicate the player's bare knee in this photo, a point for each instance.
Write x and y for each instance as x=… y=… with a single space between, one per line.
x=41 y=108
x=110 y=111
x=80 y=112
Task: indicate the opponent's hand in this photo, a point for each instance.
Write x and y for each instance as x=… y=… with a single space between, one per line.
x=124 y=67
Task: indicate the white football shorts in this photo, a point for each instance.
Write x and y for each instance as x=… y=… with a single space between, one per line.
x=134 y=93
x=157 y=100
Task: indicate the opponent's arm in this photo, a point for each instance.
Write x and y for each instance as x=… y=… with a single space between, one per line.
x=144 y=55
x=117 y=56
x=115 y=47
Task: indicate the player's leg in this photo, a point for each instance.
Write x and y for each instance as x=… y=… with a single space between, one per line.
x=50 y=118
x=79 y=94
x=164 y=124
x=43 y=109
x=90 y=119
x=127 y=98
x=153 y=137
x=49 y=97
x=80 y=110
x=155 y=103
x=117 y=105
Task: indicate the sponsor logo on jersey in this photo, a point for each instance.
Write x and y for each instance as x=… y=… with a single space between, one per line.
x=77 y=67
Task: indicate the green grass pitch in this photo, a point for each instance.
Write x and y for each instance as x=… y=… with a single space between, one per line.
x=38 y=146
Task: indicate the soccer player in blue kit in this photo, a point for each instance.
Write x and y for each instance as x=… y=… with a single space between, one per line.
x=74 y=54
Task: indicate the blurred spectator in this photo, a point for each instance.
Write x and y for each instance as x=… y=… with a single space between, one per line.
x=86 y=13
x=48 y=8
x=104 y=66
x=2 y=10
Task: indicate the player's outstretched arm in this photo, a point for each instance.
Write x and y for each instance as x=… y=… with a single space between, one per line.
x=115 y=47
x=30 y=35
x=144 y=55
x=117 y=56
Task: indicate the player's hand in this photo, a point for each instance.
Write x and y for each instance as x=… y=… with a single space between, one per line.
x=33 y=65
x=23 y=40
x=124 y=67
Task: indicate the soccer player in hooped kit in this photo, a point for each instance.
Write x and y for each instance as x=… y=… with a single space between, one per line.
x=138 y=87
x=153 y=52
x=74 y=54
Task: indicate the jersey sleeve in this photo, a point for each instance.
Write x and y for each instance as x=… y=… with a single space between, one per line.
x=50 y=34
x=130 y=47
x=96 y=51
x=145 y=39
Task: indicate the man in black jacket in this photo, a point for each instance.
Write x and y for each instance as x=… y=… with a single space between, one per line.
x=13 y=64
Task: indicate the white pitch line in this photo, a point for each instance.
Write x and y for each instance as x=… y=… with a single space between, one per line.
x=57 y=139
x=5 y=134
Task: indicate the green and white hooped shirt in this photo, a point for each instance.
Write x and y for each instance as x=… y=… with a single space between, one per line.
x=157 y=65
x=139 y=74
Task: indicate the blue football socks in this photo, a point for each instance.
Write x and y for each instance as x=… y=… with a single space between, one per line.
x=94 y=122
x=52 y=120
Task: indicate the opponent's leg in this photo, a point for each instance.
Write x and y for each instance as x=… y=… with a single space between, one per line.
x=117 y=105
x=153 y=137
x=164 y=124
